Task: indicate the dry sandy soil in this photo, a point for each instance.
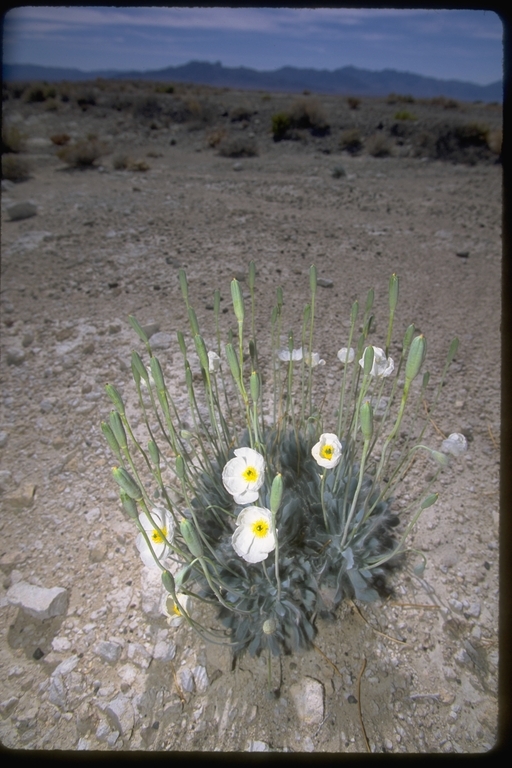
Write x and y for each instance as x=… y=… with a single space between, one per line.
x=417 y=673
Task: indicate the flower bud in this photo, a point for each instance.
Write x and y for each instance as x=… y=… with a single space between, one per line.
x=415 y=357
x=115 y=396
x=312 y=279
x=138 y=329
x=279 y=295
x=368 y=360
x=139 y=370
x=216 y=301
x=252 y=275
x=238 y=300
x=202 y=353
x=409 y=333
x=453 y=349
x=233 y=362
x=276 y=493
x=183 y=284
x=154 y=452
x=156 y=372
x=354 y=312
x=369 y=300
x=366 y=415
x=191 y=538
x=269 y=626
x=127 y=483
x=181 y=342
x=118 y=429
x=441 y=458
x=393 y=292
x=307 y=314
x=255 y=386
x=192 y=318
x=180 y=467
x=129 y=505
x=111 y=440
x=429 y=500
x=168 y=582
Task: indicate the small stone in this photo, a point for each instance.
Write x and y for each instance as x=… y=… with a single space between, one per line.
x=474 y=610
x=164 y=651
x=323 y=282
x=257 y=746
x=97 y=552
x=150 y=329
x=83 y=744
x=61 y=644
x=39 y=602
x=462 y=254
x=65 y=667
x=8 y=706
x=161 y=340
x=88 y=349
x=108 y=651
x=47 y=404
x=4 y=436
x=114 y=328
x=20 y=211
x=200 y=679
x=93 y=515
x=139 y=655
x=57 y=692
x=237 y=166
x=120 y=715
x=10 y=559
x=308 y=697
x=27 y=339
x=186 y=680
x=112 y=738
x=21 y=498
x=14 y=356
x=102 y=731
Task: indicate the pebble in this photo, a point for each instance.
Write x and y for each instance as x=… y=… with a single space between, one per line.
x=150 y=329
x=161 y=340
x=308 y=697
x=139 y=655
x=186 y=680
x=257 y=746
x=22 y=498
x=39 y=602
x=323 y=282
x=60 y=644
x=8 y=706
x=120 y=715
x=108 y=651
x=20 y=211
x=14 y=356
x=4 y=436
x=93 y=515
x=165 y=651
x=200 y=679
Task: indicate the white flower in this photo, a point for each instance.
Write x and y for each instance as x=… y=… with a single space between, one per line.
x=382 y=366
x=213 y=362
x=151 y=379
x=165 y=522
x=327 y=452
x=456 y=444
x=313 y=360
x=253 y=538
x=243 y=476
x=285 y=355
x=346 y=355
x=171 y=610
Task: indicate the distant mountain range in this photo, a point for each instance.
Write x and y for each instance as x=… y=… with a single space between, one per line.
x=348 y=81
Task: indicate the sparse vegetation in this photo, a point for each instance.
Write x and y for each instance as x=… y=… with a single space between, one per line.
x=214 y=138
x=15 y=168
x=60 y=139
x=350 y=141
x=83 y=153
x=238 y=146
x=378 y=145
x=12 y=140
x=161 y=88
x=241 y=112
x=304 y=113
x=397 y=98
x=353 y=102
x=404 y=114
x=281 y=123
x=495 y=141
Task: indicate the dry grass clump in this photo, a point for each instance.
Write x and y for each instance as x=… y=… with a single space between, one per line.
x=240 y=113
x=12 y=139
x=398 y=98
x=353 y=102
x=404 y=114
x=147 y=108
x=307 y=112
x=378 y=145
x=214 y=138
x=351 y=141
x=123 y=162
x=238 y=146
x=164 y=88
x=83 y=153
x=442 y=101
x=60 y=139
x=15 y=168
x=495 y=141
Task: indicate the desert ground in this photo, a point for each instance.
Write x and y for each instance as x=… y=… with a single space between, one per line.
x=121 y=184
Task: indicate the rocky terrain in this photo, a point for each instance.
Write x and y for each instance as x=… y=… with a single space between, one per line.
x=147 y=182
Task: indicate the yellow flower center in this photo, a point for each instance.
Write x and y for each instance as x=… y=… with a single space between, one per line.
x=260 y=528
x=156 y=536
x=250 y=474
x=326 y=452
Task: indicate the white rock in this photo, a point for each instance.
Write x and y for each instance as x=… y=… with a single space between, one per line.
x=257 y=746
x=200 y=679
x=109 y=652
x=65 y=667
x=102 y=731
x=57 y=692
x=161 y=340
x=164 y=650
x=39 y=602
x=120 y=714
x=7 y=706
x=139 y=655
x=93 y=515
x=61 y=644
x=308 y=697
x=186 y=679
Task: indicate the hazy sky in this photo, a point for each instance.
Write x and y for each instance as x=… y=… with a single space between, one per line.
x=461 y=45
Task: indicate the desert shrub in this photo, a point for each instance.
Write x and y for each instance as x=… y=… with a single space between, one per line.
x=472 y=134
x=238 y=146
x=86 y=98
x=83 y=153
x=119 y=102
x=15 y=168
x=60 y=139
x=495 y=140
x=120 y=162
x=398 y=98
x=350 y=141
x=442 y=101
x=266 y=97
x=14 y=90
x=308 y=113
x=378 y=145
x=51 y=105
x=404 y=114
x=214 y=138
x=281 y=123
x=163 y=88
x=338 y=171
x=353 y=102
x=34 y=94
x=241 y=112
x=12 y=140
x=201 y=112
x=147 y=108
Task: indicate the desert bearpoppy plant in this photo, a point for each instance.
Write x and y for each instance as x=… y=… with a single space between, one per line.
x=260 y=500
